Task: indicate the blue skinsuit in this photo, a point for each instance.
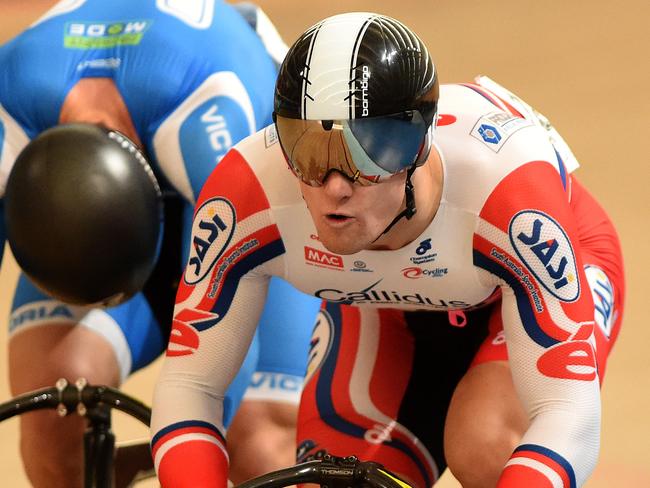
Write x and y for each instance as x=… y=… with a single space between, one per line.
x=196 y=79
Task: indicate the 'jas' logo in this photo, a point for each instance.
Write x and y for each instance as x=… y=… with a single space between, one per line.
x=213 y=227
x=545 y=249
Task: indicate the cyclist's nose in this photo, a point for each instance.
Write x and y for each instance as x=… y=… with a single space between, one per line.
x=337 y=185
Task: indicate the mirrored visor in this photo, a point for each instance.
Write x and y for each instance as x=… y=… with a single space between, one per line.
x=364 y=150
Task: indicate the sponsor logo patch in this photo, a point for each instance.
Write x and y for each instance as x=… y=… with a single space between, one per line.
x=321 y=342
x=228 y=261
x=602 y=292
x=220 y=120
x=270 y=136
x=41 y=312
x=571 y=360
x=263 y=380
x=423 y=253
x=365 y=77
x=415 y=272
x=100 y=35
x=522 y=276
x=543 y=246
x=370 y=295
x=495 y=128
x=104 y=64
x=212 y=230
x=489 y=133
x=361 y=267
x=323 y=258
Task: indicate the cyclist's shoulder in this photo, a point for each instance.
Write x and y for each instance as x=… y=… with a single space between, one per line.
x=484 y=139
x=256 y=164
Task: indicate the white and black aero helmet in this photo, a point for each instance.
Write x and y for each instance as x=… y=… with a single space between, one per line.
x=84 y=214
x=357 y=93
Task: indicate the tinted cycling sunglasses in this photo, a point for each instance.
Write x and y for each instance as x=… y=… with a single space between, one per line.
x=365 y=150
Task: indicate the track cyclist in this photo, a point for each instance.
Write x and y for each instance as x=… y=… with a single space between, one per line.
x=112 y=115
x=472 y=286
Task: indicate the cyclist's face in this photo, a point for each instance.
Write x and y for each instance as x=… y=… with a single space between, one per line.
x=349 y=217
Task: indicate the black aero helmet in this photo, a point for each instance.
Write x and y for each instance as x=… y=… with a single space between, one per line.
x=356 y=93
x=356 y=65
x=83 y=214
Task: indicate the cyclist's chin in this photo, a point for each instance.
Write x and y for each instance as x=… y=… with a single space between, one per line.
x=343 y=242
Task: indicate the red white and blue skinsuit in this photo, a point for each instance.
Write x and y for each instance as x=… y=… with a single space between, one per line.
x=515 y=234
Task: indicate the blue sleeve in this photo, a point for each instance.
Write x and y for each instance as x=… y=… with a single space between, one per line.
x=208 y=133
x=192 y=140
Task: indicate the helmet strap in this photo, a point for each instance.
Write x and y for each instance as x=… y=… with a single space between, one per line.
x=410 y=209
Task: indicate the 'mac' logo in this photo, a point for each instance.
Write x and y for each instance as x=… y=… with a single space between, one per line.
x=545 y=249
x=571 y=360
x=322 y=258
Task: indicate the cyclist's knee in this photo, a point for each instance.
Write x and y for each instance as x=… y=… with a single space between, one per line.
x=52 y=448
x=477 y=460
x=261 y=438
x=484 y=424
x=38 y=357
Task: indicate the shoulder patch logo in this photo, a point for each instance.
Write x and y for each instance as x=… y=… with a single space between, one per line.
x=495 y=128
x=545 y=249
x=602 y=292
x=270 y=136
x=213 y=227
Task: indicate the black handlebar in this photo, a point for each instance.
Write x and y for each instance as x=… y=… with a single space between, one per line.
x=80 y=398
x=95 y=403
x=330 y=471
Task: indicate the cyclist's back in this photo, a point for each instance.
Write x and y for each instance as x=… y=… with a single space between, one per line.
x=149 y=52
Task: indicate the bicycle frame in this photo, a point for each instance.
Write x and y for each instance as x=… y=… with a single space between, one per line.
x=94 y=403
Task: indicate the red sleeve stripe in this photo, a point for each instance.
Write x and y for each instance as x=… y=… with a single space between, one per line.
x=183 y=432
x=518 y=475
x=186 y=440
x=555 y=467
x=193 y=465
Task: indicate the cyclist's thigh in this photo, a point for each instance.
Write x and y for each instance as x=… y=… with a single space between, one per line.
x=129 y=329
x=379 y=386
x=285 y=330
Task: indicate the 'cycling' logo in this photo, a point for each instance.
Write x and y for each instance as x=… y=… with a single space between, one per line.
x=415 y=272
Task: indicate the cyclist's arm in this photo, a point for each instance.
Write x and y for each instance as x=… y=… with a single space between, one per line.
x=235 y=249
x=527 y=240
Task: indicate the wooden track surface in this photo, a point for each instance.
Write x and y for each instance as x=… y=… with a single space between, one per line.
x=585 y=65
